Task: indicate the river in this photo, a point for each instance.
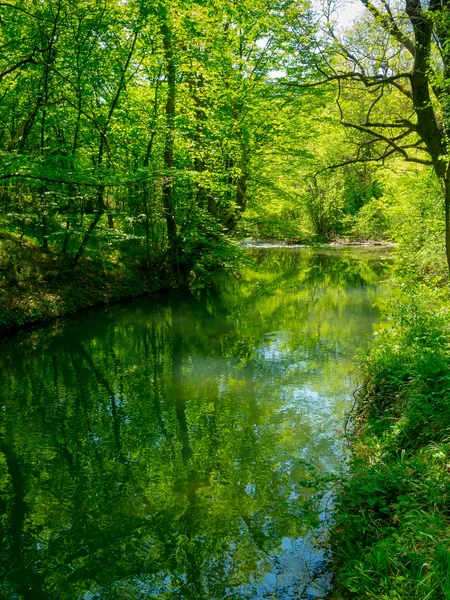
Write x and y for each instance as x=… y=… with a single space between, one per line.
x=162 y=448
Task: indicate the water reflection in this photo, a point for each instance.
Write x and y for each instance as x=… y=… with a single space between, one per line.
x=159 y=448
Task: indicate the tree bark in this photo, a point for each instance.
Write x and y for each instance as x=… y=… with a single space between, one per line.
x=447 y=219
x=168 y=189
x=86 y=238
x=44 y=230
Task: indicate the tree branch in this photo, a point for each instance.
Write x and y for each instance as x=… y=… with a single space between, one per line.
x=357 y=160
x=369 y=81
x=390 y=26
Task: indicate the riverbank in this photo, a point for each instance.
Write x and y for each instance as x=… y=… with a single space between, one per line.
x=311 y=243
x=37 y=287
x=391 y=534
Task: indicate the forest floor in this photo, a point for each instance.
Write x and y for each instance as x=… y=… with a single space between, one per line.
x=37 y=286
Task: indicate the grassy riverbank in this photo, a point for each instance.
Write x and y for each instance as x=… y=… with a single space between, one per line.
x=391 y=537
x=37 y=286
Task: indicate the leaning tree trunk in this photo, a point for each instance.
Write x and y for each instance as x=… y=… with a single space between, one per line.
x=428 y=127
x=101 y=188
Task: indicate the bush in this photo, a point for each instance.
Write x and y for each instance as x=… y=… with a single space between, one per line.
x=372 y=221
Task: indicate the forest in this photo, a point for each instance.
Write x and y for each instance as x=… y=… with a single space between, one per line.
x=144 y=144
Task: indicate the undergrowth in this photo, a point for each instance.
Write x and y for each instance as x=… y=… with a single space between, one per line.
x=391 y=535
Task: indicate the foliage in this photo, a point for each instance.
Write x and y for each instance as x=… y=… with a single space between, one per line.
x=390 y=70
x=324 y=204
x=122 y=123
x=416 y=222
x=296 y=189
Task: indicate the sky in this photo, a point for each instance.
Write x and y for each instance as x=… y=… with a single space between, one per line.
x=348 y=11
x=351 y=10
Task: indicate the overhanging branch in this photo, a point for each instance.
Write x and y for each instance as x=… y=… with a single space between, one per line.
x=367 y=80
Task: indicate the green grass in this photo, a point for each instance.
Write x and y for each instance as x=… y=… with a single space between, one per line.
x=391 y=536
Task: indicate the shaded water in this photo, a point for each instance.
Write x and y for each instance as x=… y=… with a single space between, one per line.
x=158 y=449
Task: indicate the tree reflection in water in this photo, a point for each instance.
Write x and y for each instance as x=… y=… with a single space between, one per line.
x=159 y=448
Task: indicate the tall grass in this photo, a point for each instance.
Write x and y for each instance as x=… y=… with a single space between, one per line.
x=391 y=536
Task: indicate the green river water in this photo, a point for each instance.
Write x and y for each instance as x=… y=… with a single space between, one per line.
x=159 y=448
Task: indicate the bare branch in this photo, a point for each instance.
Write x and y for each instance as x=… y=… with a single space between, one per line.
x=16 y=66
x=391 y=142
x=375 y=102
x=357 y=160
x=403 y=123
x=390 y=26
x=30 y=118
x=22 y=10
x=369 y=81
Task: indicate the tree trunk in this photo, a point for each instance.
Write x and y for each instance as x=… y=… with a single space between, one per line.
x=44 y=230
x=146 y=196
x=168 y=196
x=149 y=252
x=241 y=183
x=447 y=219
x=110 y=220
x=101 y=148
x=201 y=195
x=86 y=238
x=241 y=188
x=66 y=238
